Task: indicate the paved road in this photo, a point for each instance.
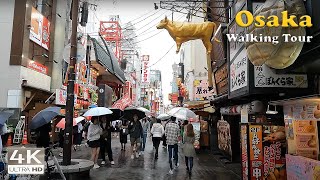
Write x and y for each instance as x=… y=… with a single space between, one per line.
x=206 y=167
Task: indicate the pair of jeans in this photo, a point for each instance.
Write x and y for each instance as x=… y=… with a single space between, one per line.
x=189 y=162
x=156 y=143
x=173 y=148
x=144 y=140
x=106 y=146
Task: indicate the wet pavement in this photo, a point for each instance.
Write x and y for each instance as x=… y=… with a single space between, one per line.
x=206 y=166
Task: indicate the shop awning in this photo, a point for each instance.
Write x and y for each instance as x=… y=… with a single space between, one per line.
x=122 y=103
x=107 y=59
x=297 y=100
x=199 y=106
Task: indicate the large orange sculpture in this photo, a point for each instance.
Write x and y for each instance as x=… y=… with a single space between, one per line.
x=184 y=31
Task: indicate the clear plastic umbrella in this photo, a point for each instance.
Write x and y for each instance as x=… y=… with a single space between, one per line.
x=163 y=116
x=182 y=113
x=97 y=111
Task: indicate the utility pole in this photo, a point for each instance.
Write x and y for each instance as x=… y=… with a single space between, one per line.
x=70 y=89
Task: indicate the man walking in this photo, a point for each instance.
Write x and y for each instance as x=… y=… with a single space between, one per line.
x=172 y=135
x=136 y=132
x=105 y=141
x=146 y=129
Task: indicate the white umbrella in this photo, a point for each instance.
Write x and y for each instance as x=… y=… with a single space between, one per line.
x=97 y=111
x=182 y=113
x=163 y=116
x=79 y=119
x=143 y=110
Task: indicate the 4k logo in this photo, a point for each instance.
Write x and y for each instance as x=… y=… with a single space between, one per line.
x=26 y=160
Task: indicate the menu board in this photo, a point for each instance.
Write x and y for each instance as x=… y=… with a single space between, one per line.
x=301 y=168
x=306 y=138
x=244 y=150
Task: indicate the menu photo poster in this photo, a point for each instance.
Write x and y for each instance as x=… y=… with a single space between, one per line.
x=224 y=137
x=306 y=138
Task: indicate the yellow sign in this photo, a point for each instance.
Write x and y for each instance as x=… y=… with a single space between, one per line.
x=273 y=21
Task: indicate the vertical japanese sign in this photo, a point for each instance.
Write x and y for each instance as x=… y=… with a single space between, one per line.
x=127 y=88
x=239 y=71
x=40 y=29
x=224 y=137
x=256 y=151
x=244 y=150
x=145 y=69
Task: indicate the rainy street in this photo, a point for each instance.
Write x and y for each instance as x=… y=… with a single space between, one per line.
x=206 y=166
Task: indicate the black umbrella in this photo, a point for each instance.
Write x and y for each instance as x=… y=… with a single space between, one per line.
x=139 y=111
x=45 y=116
x=117 y=113
x=4 y=116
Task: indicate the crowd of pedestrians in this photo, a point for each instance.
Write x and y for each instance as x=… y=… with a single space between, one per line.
x=98 y=133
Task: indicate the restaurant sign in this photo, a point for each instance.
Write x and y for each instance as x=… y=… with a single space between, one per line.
x=145 y=69
x=266 y=77
x=239 y=71
x=201 y=90
x=38 y=67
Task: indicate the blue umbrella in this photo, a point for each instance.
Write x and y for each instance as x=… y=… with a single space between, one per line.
x=44 y=117
x=4 y=116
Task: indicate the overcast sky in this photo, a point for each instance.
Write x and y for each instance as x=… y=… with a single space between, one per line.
x=156 y=46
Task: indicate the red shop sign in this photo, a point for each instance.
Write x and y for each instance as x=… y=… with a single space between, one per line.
x=38 y=67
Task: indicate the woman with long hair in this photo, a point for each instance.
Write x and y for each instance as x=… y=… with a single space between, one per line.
x=94 y=132
x=188 y=147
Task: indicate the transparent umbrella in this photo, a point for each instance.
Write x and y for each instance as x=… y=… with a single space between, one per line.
x=182 y=113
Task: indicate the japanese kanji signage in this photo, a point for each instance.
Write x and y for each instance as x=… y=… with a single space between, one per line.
x=266 y=77
x=244 y=151
x=38 y=67
x=145 y=69
x=201 y=90
x=239 y=71
x=256 y=151
x=61 y=97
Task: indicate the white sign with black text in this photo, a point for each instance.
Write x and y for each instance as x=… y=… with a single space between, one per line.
x=266 y=77
x=239 y=71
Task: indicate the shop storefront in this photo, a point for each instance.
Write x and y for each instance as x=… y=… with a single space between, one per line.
x=301 y=118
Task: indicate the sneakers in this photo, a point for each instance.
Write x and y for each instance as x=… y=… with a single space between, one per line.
x=171 y=172
x=132 y=156
x=176 y=166
x=112 y=162
x=96 y=166
x=140 y=153
x=137 y=155
x=103 y=162
x=61 y=154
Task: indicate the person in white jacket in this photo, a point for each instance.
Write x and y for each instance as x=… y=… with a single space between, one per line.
x=157 y=131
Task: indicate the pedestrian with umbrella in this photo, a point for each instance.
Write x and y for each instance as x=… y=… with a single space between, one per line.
x=105 y=140
x=41 y=123
x=95 y=131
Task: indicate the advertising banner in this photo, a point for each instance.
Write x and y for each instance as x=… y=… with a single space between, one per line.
x=201 y=90
x=299 y=168
x=145 y=69
x=40 y=29
x=244 y=150
x=256 y=151
x=224 y=137
x=61 y=97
